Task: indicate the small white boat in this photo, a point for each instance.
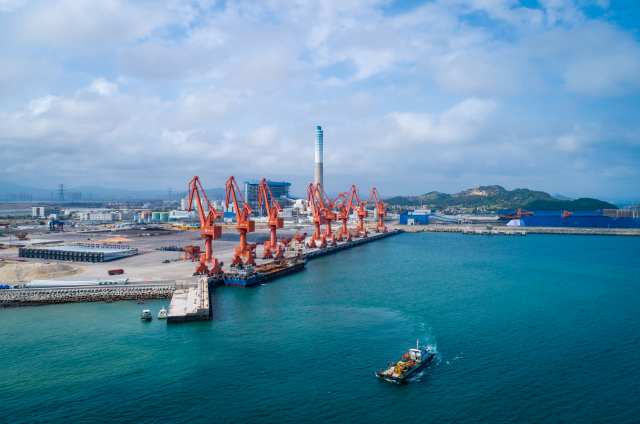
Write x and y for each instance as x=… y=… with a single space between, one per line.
x=162 y=314
x=146 y=315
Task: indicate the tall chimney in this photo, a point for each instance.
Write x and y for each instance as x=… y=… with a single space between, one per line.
x=319 y=172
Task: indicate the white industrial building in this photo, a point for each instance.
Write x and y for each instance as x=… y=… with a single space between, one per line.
x=183 y=214
x=105 y=216
x=99 y=216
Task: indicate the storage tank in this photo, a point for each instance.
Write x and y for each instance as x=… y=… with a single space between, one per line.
x=155 y=215
x=164 y=216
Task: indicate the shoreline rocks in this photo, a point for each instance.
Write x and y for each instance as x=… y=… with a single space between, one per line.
x=17 y=298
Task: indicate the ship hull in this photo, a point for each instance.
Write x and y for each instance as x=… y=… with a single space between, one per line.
x=406 y=376
x=260 y=278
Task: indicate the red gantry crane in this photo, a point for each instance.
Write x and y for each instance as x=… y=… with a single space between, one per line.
x=209 y=230
x=318 y=218
x=329 y=215
x=362 y=213
x=343 y=211
x=380 y=208
x=244 y=224
x=271 y=248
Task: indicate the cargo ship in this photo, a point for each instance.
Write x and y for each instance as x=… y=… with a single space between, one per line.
x=409 y=366
x=250 y=275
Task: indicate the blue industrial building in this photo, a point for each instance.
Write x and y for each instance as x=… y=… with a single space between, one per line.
x=555 y=213
x=409 y=218
x=579 y=219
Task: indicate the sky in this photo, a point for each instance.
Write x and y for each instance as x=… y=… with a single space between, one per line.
x=413 y=96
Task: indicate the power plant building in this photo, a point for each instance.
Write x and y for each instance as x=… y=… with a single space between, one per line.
x=280 y=191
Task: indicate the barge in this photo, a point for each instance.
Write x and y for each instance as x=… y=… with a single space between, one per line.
x=251 y=276
x=409 y=366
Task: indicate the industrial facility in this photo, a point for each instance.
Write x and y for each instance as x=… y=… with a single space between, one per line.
x=78 y=253
x=609 y=218
x=279 y=189
x=319 y=176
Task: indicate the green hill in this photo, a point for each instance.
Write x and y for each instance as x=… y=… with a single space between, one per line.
x=496 y=197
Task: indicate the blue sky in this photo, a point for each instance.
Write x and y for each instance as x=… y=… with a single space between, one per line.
x=412 y=96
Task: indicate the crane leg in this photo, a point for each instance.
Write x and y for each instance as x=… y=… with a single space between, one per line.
x=249 y=256
x=215 y=268
x=267 y=250
x=202 y=268
x=279 y=253
x=236 y=258
x=208 y=249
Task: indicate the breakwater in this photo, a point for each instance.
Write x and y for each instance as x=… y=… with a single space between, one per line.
x=16 y=298
x=527 y=230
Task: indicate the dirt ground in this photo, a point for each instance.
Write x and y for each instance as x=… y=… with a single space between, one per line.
x=23 y=272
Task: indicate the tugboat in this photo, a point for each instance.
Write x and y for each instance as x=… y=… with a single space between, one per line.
x=146 y=315
x=410 y=365
x=162 y=314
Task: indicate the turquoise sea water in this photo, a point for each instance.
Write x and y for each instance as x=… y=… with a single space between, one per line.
x=527 y=329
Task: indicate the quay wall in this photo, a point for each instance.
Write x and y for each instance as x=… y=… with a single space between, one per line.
x=342 y=246
x=16 y=298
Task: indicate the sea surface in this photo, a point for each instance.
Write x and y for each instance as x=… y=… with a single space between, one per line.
x=542 y=328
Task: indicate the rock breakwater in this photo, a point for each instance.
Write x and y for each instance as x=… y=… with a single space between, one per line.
x=17 y=298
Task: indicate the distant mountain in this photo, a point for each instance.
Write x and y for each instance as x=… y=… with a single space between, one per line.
x=93 y=192
x=561 y=197
x=7 y=188
x=496 y=197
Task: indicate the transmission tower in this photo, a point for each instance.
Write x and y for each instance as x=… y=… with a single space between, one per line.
x=61 y=190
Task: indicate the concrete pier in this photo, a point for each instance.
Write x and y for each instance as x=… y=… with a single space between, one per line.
x=190 y=304
x=346 y=245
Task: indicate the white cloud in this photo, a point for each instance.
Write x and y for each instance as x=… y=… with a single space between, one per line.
x=41 y=105
x=11 y=5
x=240 y=87
x=461 y=123
x=85 y=23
